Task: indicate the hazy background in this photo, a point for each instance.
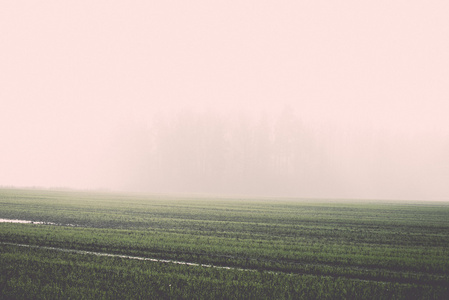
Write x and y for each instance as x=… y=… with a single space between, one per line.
x=276 y=98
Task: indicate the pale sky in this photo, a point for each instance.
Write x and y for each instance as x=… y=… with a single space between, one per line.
x=75 y=75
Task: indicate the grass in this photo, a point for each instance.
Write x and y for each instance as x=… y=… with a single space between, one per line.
x=289 y=248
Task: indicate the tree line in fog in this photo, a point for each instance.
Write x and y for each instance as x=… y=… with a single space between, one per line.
x=211 y=153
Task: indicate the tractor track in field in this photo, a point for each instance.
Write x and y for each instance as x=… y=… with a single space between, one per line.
x=170 y=261
x=438 y=277
x=85 y=252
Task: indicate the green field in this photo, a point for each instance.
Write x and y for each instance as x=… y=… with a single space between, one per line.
x=252 y=248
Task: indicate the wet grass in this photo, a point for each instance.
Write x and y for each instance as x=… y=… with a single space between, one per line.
x=295 y=248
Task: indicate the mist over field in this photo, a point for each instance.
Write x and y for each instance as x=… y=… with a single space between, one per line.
x=297 y=99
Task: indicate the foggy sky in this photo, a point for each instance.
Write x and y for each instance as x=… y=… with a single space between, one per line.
x=276 y=98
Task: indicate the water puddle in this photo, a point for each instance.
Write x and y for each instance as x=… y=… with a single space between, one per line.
x=25 y=222
x=34 y=222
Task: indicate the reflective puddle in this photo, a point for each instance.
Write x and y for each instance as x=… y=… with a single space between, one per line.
x=25 y=222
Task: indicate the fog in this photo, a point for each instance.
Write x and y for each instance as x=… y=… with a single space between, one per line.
x=259 y=98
